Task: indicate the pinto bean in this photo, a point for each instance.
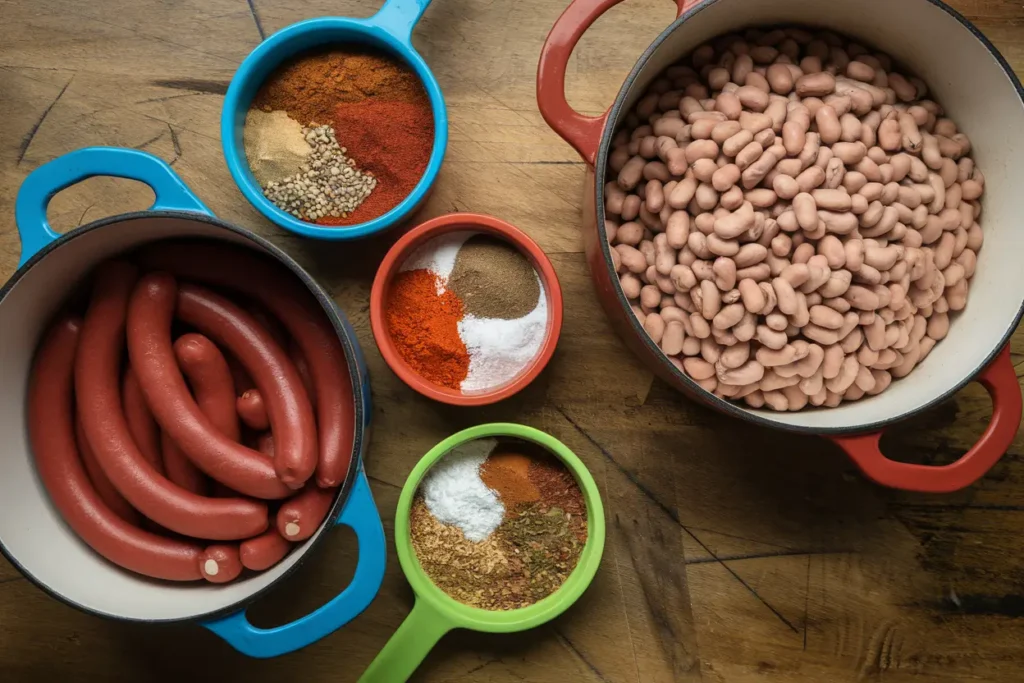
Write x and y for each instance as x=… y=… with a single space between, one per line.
x=738 y=228
x=815 y=84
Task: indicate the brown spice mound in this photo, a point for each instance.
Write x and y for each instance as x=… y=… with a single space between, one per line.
x=494 y=279
x=310 y=86
x=465 y=570
x=511 y=486
x=526 y=560
x=510 y=455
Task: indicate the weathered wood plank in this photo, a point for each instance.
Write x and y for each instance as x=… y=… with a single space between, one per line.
x=795 y=567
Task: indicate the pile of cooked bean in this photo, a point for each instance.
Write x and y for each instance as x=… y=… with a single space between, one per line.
x=793 y=221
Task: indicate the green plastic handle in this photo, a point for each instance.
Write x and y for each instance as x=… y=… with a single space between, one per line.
x=410 y=645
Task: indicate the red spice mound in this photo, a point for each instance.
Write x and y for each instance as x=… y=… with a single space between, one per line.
x=390 y=139
x=424 y=327
x=557 y=485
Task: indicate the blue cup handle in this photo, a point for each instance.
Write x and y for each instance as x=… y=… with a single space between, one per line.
x=399 y=17
x=43 y=183
x=361 y=515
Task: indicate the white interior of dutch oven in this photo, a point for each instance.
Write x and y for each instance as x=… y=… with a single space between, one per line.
x=968 y=81
x=32 y=531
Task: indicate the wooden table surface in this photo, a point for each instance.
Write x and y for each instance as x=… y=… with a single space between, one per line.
x=734 y=553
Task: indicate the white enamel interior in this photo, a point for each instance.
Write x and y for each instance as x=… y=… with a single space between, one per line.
x=31 y=530
x=968 y=81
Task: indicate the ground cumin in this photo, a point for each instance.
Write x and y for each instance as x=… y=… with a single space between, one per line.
x=512 y=487
x=424 y=327
x=310 y=86
x=494 y=279
x=465 y=570
x=507 y=471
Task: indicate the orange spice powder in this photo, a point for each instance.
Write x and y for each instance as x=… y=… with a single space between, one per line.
x=424 y=327
x=507 y=471
x=513 y=487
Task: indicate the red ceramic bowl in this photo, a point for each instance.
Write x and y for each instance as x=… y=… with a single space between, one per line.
x=436 y=227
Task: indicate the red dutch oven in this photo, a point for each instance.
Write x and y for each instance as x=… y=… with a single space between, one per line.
x=979 y=91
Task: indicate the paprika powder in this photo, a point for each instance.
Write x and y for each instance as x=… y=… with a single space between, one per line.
x=392 y=140
x=424 y=327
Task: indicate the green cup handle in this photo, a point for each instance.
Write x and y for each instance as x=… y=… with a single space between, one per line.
x=410 y=645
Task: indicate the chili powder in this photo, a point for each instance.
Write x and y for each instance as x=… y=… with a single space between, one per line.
x=391 y=140
x=424 y=327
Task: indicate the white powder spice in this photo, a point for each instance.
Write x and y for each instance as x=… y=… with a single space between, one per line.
x=501 y=349
x=455 y=494
x=275 y=145
x=438 y=256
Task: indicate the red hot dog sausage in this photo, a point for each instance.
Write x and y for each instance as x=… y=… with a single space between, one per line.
x=213 y=388
x=110 y=496
x=99 y=403
x=57 y=461
x=268 y=323
x=180 y=469
x=221 y=563
x=141 y=424
x=264 y=551
x=291 y=303
x=208 y=373
x=295 y=353
x=300 y=516
x=265 y=444
x=288 y=408
x=267 y=549
x=241 y=378
x=150 y=313
x=252 y=411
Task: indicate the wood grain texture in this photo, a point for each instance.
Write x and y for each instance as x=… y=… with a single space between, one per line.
x=734 y=553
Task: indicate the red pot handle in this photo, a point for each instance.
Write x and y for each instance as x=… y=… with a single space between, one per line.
x=1000 y=379
x=582 y=132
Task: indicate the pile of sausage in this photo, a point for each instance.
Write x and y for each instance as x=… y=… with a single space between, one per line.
x=792 y=221
x=134 y=407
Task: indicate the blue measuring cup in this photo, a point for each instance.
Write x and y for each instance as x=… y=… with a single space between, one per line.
x=390 y=30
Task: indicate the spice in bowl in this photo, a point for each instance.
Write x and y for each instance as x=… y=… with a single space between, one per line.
x=340 y=137
x=499 y=525
x=467 y=311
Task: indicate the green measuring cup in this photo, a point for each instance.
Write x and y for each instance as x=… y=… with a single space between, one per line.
x=435 y=613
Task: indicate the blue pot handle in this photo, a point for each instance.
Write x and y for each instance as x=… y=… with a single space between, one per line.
x=43 y=183
x=398 y=17
x=360 y=514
